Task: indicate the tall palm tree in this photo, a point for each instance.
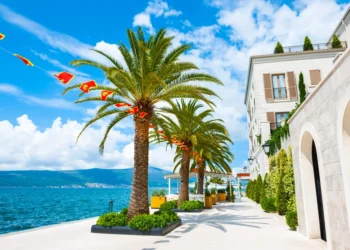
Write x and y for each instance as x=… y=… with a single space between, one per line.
x=190 y=126
x=152 y=74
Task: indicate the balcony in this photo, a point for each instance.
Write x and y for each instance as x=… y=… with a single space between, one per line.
x=317 y=47
x=280 y=93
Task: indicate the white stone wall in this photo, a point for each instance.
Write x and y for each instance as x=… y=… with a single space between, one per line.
x=321 y=116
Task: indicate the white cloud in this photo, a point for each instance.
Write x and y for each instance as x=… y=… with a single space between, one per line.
x=26 y=147
x=51 y=102
x=56 y=40
x=155 y=8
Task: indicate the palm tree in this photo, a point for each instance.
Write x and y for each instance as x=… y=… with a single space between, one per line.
x=216 y=157
x=152 y=74
x=190 y=126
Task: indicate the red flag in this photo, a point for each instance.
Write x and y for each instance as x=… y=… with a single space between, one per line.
x=133 y=110
x=65 y=77
x=143 y=114
x=160 y=131
x=105 y=94
x=2 y=36
x=151 y=126
x=122 y=104
x=164 y=137
x=86 y=86
x=24 y=60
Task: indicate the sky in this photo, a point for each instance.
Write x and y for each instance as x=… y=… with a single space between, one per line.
x=38 y=126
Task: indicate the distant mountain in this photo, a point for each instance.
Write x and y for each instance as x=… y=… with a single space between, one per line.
x=79 y=178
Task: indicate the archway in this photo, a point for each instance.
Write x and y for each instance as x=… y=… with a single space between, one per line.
x=344 y=149
x=311 y=187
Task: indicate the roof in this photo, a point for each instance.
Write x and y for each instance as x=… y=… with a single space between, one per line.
x=194 y=174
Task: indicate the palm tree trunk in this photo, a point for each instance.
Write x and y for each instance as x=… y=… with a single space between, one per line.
x=139 y=194
x=184 y=175
x=200 y=178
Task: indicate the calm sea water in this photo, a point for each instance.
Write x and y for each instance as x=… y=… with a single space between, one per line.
x=25 y=208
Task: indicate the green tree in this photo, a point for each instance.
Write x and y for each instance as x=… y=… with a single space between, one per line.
x=282 y=193
x=191 y=126
x=336 y=44
x=258 y=188
x=302 y=88
x=278 y=49
x=151 y=74
x=307 y=44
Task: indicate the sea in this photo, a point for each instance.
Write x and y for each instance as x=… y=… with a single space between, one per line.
x=26 y=208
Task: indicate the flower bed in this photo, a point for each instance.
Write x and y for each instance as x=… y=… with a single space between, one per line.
x=159 y=223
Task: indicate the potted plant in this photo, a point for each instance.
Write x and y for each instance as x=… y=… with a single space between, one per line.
x=208 y=203
x=158 y=198
x=213 y=196
x=221 y=195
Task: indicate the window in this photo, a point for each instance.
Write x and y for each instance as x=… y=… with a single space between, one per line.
x=281 y=117
x=279 y=86
x=315 y=76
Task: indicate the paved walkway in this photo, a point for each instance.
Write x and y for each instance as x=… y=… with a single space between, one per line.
x=240 y=225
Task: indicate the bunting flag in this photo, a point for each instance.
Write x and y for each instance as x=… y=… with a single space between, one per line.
x=86 y=86
x=143 y=114
x=151 y=126
x=133 y=110
x=65 y=77
x=24 y=60
x=160 y=131
x=105 y=94
x=2 y=36
x=122 y=104
x=164 y=137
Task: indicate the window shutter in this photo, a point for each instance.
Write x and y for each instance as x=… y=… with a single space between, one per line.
x=271 y=118
x=292 y=88
x=268 y=87
x=315 y=76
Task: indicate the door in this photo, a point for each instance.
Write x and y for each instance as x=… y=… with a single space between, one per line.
x=318 y=193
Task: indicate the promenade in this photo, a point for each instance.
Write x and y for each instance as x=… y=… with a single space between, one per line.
x=240 y=225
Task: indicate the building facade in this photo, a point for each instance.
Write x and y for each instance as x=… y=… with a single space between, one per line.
x=272 y=92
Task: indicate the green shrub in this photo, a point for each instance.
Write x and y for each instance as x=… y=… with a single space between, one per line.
x=302 y=88
x=292 y=219
x=307 y=44
x=213 y=190
x=262 y=195
x=257 y=190
x=146 y=222
x=160 y=192
x=221 y=191
x=268 y=204
x=192 y=205
x=278 y=48
x=207 y=193
x=168 y=215
x=124 y=211
x=292 y=205
x=112 y=219
x=336 y=44
x=169 y=205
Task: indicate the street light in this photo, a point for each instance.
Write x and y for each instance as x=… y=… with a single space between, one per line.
x=250 y=160
x=266 y=147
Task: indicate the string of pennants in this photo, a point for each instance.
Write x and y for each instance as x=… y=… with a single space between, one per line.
x=66 y=77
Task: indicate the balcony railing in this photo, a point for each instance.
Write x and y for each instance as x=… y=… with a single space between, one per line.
x=280 y=93
x=318 y=46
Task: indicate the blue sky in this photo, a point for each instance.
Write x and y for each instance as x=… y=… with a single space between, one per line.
x=38 y=126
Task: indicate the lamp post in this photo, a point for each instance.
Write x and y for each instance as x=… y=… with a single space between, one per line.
x=250 y=160
x=266 y=148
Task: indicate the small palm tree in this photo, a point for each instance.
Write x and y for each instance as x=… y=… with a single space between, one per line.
x=190 y=126
x=216 y=157
x=152 y=74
